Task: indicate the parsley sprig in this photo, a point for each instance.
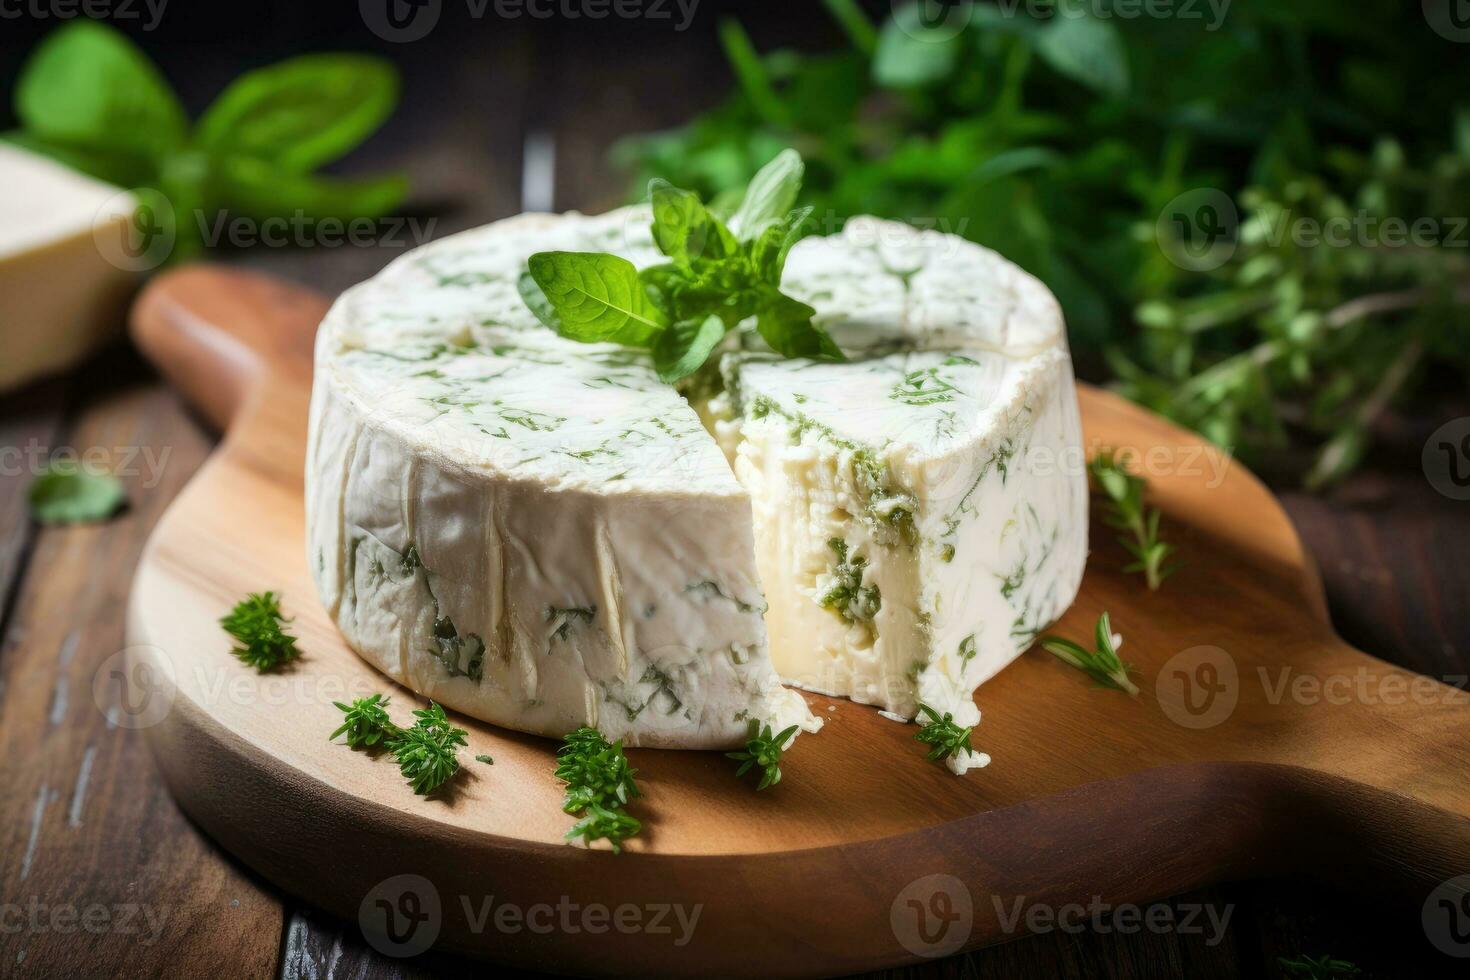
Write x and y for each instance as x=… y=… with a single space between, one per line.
x=763 y=749
x=1101 y=664
x=427 y=752
x=1126 y=512
x=719 y=274
x=257 y=625
x=365 y=723
x=944 y=737
x=600 y=783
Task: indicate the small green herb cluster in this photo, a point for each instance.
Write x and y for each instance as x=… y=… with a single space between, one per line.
x=257 y=625
x=763 y=749
x=427 y=752
x=944 y=737
x=718 y=275
x=1126 y=512
x=848 y=597
x=92 y=100
x=599 y=785
x=1101 y=664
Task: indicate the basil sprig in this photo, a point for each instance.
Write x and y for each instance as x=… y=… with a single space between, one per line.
x=89 y=98
x=717 y=276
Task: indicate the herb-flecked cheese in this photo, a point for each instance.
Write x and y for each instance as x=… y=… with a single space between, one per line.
x=922 y=509
x=539 y=533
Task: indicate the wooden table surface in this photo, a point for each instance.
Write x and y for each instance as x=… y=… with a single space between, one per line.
x=100 y=874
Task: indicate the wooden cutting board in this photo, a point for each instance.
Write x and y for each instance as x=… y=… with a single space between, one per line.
x=1261 y=744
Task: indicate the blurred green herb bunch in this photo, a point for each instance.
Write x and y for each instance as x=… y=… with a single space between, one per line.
x=1253 y=213
x=89 y=98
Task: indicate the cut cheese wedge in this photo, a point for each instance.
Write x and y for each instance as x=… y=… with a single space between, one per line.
x=62 y=292
x=540 y=534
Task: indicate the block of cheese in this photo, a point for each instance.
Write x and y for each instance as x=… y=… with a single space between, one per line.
x=60 y=297
x=533 y=531
x=919 y=511
x=540 y=534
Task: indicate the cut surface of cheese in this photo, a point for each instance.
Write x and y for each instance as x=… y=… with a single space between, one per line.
x=922 y=514
x=60 y=296
x=540 y=534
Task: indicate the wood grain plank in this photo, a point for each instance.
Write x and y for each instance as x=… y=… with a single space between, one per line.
x=31 y=422
x=96 y=856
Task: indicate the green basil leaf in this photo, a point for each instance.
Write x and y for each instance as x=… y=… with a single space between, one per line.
x=88 y=85
x=684 y=347
x=913 y=51
x=258 y=189
x=301 y=113
x=1086 y=50
x=536 y=300
x=683 y=229
x=597 y=297
x=67 y=494
x=768 y=252
x=769 y=197
x=786 y=324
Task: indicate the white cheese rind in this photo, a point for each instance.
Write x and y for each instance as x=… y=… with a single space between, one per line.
x=532 y=531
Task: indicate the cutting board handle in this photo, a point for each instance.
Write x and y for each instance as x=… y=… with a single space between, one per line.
x=220 y=334
x=1382 y=762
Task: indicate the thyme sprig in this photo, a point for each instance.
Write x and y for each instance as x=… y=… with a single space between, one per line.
x=600 y=782
x=257 y=625
x=763 y=749
x=1126 y=512
x=1101 y=664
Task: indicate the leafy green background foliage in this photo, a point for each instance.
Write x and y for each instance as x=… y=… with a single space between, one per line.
x=1062 y=142
x=90 y=99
